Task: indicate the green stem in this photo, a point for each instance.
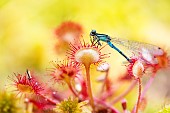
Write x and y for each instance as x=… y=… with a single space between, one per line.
x=87 y=67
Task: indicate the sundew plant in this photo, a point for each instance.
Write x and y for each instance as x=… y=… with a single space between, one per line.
x=75 y=92
x=79 y=56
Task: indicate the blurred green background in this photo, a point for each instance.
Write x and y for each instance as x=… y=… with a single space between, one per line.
x=27 y=32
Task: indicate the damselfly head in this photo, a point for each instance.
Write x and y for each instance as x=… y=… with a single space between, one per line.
x=93 y=33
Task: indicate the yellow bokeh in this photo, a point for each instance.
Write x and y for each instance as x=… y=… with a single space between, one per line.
x=27 y=29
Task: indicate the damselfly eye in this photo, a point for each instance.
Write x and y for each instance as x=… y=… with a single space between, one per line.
x=93 y=33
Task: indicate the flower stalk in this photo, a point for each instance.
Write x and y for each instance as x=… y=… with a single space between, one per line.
x=139 y=95
x=72 y=89
x=148 y=84
x=87 y=67
x=105 y=80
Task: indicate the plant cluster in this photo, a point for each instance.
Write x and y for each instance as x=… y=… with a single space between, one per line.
x=78 y=95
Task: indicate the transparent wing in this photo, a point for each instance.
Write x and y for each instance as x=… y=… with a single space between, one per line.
x=138 y=47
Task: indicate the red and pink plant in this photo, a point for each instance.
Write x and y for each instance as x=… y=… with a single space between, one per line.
x=78 y=95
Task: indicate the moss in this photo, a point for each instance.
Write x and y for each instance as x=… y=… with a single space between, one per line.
x=8 y=103
x=166 y=109
x=71 y=105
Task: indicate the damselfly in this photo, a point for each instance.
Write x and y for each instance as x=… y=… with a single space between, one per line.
x=136 y=47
